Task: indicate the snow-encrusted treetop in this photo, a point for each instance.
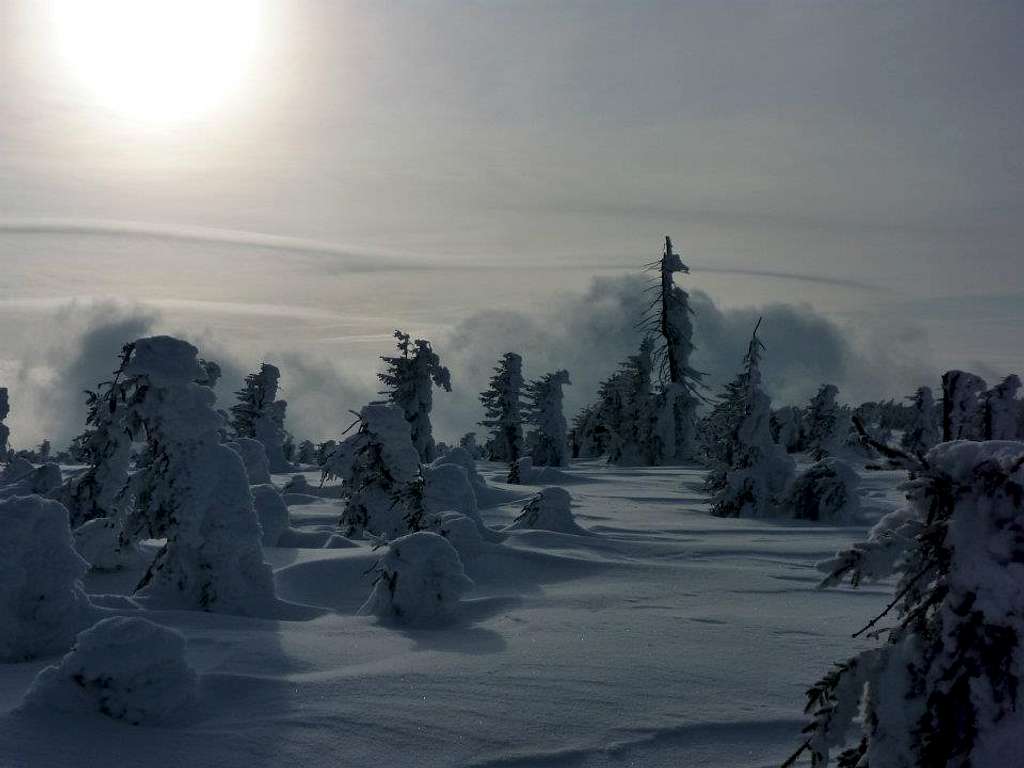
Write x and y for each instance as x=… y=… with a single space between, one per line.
x=164 y=360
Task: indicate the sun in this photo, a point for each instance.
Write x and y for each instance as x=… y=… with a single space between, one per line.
x=158 y=60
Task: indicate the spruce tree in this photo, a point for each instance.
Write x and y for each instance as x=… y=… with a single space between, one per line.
x=749 y=471
x=962 y=406
x=502 y=403
x=409 y=378
x=105 y=447
x=999 y=411
x=548 y=441
x=260 y=416
x=669 y=318
x=942 y=687
x=5 y=432
x=821 y=422
x=922 y=433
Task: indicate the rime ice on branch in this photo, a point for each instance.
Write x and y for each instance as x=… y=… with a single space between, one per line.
x=192 y=490
x=257 y=415
x=943 y=687
x=410 y=379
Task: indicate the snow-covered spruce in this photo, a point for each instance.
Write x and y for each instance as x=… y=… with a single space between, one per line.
x=626 y=412
x=549 y=510
x=410 y=378
x=469 y=444
x=42 y=604
x=962 y=408
x=125 y=668
x=254 y=458
x=547 y=442
x=821 y=423
x=306 y=453
x=259 y=416
x=678 y=398
x=105 y=447
x=193 y=490
x=447 y=488
x=750 y=472
x=271 y=511
x=380 y=470
x=1000 y=410
x=420 y=580
x=922 y=434
x=785 y=424
x=826 y=491
x=5 y=431
x=503 y=410
x=943 y=688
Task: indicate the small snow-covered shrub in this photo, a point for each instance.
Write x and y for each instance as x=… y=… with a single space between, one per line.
x=16 y=470
x=463 y=458
x=254 y=457
x=42 y=604
x=40 y=481
x=825 y=491
x=944 y=686
x=549 y=510
x=462 y=532
x=420 y=580
x=380 y=469
x=126 y=668
x=100 y=543
x=271 y=511
x=447 y=488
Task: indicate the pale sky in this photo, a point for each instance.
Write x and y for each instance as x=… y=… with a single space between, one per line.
x=339 y=149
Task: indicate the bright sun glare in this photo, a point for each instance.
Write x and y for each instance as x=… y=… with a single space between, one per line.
x=158 y=60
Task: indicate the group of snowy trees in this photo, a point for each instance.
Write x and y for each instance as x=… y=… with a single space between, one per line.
x=510 y=404
x=646 y=412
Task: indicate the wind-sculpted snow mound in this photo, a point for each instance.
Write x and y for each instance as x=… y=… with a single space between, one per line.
x=825 y=491
x=420 y=580
x=549 y=510
x=42 y=604
x=462 y=532
x=125 y=668
x=531 y=475
x=254 y=457
x=271 y=511
x=99 y=542
x=17 y=469
x=40 y=480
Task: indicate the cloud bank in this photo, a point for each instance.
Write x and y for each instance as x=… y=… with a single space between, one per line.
x=588 y=334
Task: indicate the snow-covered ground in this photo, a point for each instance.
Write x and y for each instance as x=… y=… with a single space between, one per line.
x=671 y=638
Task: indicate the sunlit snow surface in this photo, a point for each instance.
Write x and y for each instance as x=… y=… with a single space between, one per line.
x=670 y=639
